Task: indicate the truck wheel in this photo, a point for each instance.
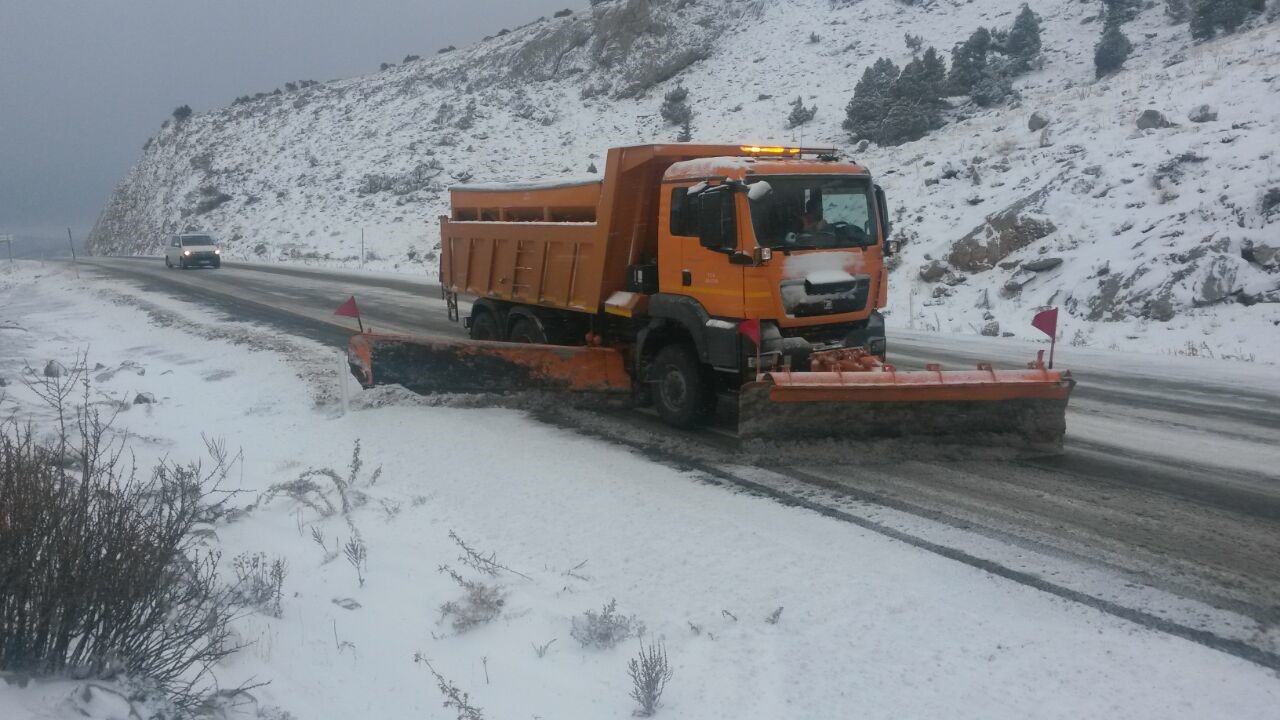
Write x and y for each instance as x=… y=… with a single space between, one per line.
x=681 y=393
x=167 y=263
x=484 y=326
x=526 y=330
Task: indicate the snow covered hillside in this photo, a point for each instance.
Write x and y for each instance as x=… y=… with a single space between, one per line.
x=1164 y=238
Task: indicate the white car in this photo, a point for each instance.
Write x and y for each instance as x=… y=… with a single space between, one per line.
x=192 y=250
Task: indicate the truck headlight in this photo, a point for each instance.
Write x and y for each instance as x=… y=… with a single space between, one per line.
x=186 y=252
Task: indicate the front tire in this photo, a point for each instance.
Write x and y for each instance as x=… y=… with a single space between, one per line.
x=682 y=394
x=167 y=263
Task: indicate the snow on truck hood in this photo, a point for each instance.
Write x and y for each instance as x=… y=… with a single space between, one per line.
x=823 y=267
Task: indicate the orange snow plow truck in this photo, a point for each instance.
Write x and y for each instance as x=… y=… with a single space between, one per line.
x=691 y=274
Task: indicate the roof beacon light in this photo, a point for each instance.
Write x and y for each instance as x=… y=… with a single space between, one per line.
x=776 y=150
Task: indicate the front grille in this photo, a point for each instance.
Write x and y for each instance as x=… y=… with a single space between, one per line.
x=803 y=299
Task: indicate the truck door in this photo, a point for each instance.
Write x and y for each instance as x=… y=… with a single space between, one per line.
x=710 y=223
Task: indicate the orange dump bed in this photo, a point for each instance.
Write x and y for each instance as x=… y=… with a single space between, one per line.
x=563 y=244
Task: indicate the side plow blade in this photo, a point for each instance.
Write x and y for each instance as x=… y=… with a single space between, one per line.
x=983 y=407
x=432 y=366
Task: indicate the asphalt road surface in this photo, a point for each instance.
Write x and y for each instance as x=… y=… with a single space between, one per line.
x=1164 y=507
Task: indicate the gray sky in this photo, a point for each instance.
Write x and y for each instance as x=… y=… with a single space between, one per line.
x=83 y=83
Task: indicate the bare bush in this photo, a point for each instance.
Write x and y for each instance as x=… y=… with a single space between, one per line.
x=606 y=628
x=259 y=582
x=478 y=561
x=306 y=490
x=481 y=603
x=358 y=555
x=454 y=697
x=650 y=674
x=101 y=571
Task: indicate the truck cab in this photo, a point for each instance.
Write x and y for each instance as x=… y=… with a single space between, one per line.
x=794 y=242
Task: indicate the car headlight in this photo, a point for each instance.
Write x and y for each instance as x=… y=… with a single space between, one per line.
x=217 y=252
x=186 y=252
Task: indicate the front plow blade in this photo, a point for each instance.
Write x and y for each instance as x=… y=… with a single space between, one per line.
x=986 y=407
x=440 y=366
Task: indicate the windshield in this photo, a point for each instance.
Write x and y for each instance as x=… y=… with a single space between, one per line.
x=814 y=212
x=189 y=240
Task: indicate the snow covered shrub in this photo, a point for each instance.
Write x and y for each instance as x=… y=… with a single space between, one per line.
x=481 y=603
x=606 y=628
x=212 y=199
x=259 y=582
x=800 y=114
x=101 y=572
x=1112 y=50
x=650 y=674
x=181 y=113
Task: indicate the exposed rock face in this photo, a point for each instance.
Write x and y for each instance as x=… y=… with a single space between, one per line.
x=1267 y=256
x=991 y=329
x=1038 y=121
x=1005 y=232
x=1153 y=120
x=1042 y=264
x=934 y=271
x=1202 y=113
x=144 y=398
x=1217 y=282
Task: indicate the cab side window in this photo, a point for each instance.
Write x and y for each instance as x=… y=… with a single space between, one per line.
x=684 y=216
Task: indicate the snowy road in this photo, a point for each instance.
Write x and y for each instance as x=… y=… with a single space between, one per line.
x=1164 y=509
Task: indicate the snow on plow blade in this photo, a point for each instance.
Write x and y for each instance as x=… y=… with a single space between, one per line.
x=983 y=407
x=441 y=366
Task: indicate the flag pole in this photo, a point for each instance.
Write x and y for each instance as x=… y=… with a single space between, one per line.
x=1053 y=343
x=361 y=324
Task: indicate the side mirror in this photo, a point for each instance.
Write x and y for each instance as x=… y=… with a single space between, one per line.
x=759 y=256
x=717 y=221
x=882 y=212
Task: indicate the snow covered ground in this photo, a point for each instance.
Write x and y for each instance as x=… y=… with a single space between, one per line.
x=869 y=628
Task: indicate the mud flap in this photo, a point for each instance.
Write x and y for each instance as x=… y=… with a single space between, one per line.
x=440 y=366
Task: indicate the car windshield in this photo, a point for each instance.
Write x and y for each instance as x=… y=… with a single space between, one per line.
x=814 y=212
x=189 y=240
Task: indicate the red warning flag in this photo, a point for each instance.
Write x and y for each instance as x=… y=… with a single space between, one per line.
x=750 y=328
x=1046 y=322
x=348 y=308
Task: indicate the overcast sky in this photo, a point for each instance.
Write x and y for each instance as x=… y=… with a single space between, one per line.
x=83 y=83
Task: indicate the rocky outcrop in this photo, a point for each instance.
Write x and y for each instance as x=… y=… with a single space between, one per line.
x=1003 y=233
x=1153 y=120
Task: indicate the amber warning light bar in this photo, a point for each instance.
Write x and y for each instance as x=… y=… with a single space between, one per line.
x=776 y=150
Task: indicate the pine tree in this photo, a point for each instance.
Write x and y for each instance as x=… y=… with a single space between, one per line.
x=675 y=108
x=1023 y=43
x=1202 y=19
x=969 y=62
x=800 y=114
x=1112 y=50
x=686 y=132
x=1118 y=12
x=892 y=106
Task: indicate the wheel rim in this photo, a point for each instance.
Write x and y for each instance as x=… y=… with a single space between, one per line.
x=674 y=389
